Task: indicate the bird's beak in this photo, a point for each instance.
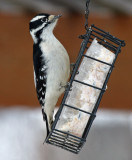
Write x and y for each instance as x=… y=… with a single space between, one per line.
x=52 y=18
x=56 y=17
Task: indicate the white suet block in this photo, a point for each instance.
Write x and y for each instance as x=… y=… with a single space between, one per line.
x=84 y=97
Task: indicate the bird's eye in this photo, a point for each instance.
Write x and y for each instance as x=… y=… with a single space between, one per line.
x=44 y=19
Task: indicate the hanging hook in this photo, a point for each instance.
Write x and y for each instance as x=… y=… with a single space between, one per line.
x=86 y=19
x=86 y=14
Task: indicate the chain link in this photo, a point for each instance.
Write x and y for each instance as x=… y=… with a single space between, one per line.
x=86 y=14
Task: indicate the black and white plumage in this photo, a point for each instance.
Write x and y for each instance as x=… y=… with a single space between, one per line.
x=51 y=64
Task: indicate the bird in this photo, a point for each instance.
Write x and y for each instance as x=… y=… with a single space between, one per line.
x=51 y=64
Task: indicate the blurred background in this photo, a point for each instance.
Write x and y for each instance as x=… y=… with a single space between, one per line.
x=21 y=123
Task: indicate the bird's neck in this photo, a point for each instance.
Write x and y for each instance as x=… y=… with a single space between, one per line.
x=47 y=36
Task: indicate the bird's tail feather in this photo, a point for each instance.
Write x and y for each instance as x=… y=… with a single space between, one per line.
x=46 y=120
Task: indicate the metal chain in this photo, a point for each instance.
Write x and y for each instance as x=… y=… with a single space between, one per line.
x=86 y=18
x=86 y=14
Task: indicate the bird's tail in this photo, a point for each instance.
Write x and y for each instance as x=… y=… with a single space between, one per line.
x=46 y=120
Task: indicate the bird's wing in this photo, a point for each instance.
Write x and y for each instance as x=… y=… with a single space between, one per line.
x=40 y=74
x=40 y=82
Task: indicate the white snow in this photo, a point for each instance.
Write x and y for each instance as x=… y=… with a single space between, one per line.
x=22 y=132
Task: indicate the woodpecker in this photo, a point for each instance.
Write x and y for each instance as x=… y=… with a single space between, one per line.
x=51 y=64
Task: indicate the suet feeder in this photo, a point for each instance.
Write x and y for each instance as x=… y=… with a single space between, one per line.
x=95 y=62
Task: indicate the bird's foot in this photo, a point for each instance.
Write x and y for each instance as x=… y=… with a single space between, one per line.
x=64 y=86
x=72 y=65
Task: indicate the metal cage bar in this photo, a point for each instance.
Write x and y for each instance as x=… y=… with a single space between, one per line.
x=66 y=140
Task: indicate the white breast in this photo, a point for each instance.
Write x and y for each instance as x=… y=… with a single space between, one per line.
x=57 y=62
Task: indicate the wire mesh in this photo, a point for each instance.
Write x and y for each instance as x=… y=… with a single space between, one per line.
x=66 y=140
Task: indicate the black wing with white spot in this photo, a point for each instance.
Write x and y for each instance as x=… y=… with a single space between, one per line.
x=40 y=73
x=41 y=85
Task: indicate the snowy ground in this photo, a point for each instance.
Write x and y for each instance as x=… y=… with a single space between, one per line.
x=22 y=133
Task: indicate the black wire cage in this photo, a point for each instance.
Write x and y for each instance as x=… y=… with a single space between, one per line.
x=67 y=140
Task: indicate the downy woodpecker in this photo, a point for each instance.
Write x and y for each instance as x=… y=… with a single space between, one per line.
x=51 y=64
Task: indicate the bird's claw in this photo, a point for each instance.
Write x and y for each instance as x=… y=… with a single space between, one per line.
x=64 y=86
x=72 y=65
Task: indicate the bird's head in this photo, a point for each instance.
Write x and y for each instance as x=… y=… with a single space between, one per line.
x=42 y=24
